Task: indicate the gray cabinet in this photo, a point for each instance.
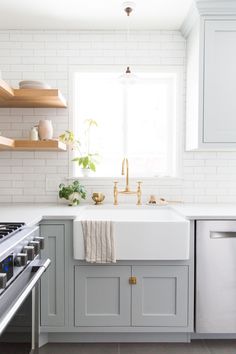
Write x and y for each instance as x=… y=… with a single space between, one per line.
x=53 y=281
x=77 y=297
x=160 y=297
x=102 y=295
x=211 y=84
x=219 y=84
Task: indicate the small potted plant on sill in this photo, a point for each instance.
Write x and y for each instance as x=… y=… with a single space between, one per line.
x=86 y=159
x=72 y=192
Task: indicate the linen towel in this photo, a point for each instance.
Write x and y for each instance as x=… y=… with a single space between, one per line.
x=99 y=245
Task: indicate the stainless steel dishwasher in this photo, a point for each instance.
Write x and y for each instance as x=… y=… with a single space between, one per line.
x=216 y=276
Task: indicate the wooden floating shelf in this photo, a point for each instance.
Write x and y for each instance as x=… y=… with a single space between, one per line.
x=22 y=145
x=54 y=145
x=6 y=143
x=30 y=98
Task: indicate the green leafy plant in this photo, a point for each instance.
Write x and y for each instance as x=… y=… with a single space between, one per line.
x=68 y=138
x=89 y=161
x=72 y=192
x=86 y=160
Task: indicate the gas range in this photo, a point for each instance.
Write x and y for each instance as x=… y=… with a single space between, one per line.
x=20 y=271
x=19 y=246
x=8 y=229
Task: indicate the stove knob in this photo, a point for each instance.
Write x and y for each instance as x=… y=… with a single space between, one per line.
x=21 y=259
x=41 y=240
x=29 y=250
x=3 y=280
x=36 y=245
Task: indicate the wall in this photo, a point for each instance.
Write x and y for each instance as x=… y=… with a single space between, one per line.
x=49 y=55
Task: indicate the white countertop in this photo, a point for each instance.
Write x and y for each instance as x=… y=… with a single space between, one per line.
x=33 y=213
x=206 y=211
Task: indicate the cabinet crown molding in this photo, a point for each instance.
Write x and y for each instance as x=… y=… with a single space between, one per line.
x=190 y=20
x=207 y=8
x=216 y=7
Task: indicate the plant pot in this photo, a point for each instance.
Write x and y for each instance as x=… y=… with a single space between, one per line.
x=85 y=172
x=73 y=199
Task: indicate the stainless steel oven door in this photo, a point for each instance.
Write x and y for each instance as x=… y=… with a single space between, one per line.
x=19 y=311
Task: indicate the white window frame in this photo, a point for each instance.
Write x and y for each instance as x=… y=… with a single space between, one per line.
x=177 y=70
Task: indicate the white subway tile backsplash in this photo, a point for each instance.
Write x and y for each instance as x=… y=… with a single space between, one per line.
x=22 y=154
x=21 y=111
x=11 y=191
x=34 y=162
x=21 y=199
x=4 y=37
x=10 y=60
x=33 y=60
x=49 y=55
x=32 y=45
x=34 y=191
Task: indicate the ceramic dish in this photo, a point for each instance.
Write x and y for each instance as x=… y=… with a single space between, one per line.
x=33 y=85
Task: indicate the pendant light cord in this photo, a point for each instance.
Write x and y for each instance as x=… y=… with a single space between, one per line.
x=128 y=11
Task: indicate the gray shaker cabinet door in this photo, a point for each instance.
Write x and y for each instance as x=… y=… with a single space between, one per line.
x=53 y=281
x=102 y=295
x=160 y=297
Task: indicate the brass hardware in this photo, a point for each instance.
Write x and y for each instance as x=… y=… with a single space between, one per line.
x=125 y=162
x=115 y=193
x=98 y=198
x=138 y=192
x=133 y=280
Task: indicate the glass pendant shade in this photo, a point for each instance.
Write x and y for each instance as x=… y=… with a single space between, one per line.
x=128 y=77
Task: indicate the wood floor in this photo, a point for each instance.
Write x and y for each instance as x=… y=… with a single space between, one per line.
x=195 y=347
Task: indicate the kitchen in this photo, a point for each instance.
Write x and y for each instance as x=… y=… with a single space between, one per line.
x=150 y=84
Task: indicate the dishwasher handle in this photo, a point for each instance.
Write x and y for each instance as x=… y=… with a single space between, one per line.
x=38 y=271
x=222 y=234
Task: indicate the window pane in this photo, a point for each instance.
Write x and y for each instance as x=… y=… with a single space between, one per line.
x=135 y=120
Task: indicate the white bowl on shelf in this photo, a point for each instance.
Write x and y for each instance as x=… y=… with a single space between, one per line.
x=29 y=84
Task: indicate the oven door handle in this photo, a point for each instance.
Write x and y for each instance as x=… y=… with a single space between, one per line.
x=39 y=270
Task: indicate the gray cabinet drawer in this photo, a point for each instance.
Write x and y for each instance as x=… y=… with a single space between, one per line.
x=160 y=297
x=53 y=281
x=102 y=295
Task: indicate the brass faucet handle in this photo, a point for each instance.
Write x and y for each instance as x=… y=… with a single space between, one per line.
x=115 y=193
x=139 y=193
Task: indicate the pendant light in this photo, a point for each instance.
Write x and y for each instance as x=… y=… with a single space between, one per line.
x=128 y=76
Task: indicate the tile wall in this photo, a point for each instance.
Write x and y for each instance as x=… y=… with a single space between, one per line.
x=33 y=177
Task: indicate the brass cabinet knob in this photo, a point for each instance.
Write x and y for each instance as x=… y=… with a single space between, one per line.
x=133 y=280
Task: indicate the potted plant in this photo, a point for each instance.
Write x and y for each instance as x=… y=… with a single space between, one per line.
x=86 y=159
x=87 y=163
x=72 y=192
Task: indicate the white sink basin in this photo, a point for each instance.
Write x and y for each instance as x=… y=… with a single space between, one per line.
x=141 y=232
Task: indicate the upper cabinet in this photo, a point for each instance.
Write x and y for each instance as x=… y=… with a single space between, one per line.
x=219 y=109
x=34 y=98
x=211 y=84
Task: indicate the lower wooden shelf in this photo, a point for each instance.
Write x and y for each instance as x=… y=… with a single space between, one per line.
x=6 y=143
x=39 y=145
x=47 y=145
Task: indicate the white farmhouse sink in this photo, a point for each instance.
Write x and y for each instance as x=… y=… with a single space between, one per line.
x=141 y=232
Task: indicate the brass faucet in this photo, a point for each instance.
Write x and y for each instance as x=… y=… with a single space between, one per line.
x=125 y=163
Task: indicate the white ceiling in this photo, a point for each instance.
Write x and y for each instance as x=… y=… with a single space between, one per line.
x=91 y=14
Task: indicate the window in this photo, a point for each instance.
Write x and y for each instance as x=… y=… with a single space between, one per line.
x=135 y=120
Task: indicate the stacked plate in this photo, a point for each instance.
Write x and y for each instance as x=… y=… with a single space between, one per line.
x=33 y=85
